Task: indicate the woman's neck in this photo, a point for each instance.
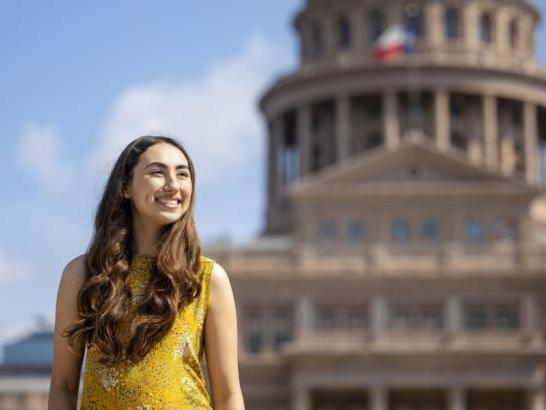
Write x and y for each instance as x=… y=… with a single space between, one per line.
x=144 y=238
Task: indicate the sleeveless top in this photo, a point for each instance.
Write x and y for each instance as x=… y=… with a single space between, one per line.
x=170 y=375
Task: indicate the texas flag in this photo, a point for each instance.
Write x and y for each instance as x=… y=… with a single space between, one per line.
x=394 y=41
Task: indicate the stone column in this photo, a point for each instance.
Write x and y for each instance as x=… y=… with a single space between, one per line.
x=490 y=130
x=470 y=14
x=530 y=137
x=378 y=316
x=304 y=316
x=329 y=36
x=501 y=31
x=391 y=126
x=442 y=119
x=537 y=399
x=301 y=398
x=275 y=177
x=456 y=399
x=507 y=155
x=343 y=127
x=529 y=325
x=304 y=138
x=394 y=14
x=361 y=50
x=453 y=316
x=435 y=24
x=378 y=398
x=527 y=37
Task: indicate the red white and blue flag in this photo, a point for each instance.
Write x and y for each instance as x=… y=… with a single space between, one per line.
x=395 y=41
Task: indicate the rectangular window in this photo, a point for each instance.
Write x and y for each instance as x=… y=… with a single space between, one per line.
x=400 y=317
x=326 y=231
x=282 y=326
x=356 y=231
x=452 y=23
x=506 y=316
x=326 y=317
x=356 y=317
x=475 y=316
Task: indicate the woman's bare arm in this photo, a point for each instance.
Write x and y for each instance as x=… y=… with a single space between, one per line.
x=221 y=343
x=65 y=371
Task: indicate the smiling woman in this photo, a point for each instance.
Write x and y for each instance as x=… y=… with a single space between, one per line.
x=143 y=304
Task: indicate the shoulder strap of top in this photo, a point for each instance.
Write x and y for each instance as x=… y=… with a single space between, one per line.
x=206 y=274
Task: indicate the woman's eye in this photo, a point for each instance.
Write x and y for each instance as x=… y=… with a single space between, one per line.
x=183 y=174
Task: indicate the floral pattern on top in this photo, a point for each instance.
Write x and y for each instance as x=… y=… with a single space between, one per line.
x=170 y=376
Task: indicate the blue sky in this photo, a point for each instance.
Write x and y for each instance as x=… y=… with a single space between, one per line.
x=78 y=80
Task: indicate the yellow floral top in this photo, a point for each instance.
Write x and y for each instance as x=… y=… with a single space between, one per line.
x=170 y=375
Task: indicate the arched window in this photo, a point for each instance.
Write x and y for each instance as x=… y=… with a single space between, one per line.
x=485 y=28
x=400 y=229
x=514 y=34
x=376 y=24
x=317 y=43
x=344 y=33
x=414 y=19
x=451 y=25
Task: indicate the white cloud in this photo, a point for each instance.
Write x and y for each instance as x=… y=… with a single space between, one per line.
x=214 y=116
x=13 y=267
x=39 y=151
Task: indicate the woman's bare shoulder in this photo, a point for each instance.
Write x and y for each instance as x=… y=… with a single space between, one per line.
x=74 y=272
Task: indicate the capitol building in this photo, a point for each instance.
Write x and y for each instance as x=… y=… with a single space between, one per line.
x=402 y=264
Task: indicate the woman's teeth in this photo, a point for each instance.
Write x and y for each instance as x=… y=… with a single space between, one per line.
x=168 y=203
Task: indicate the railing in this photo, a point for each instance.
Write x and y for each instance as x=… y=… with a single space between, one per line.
x=387 y=258
x=343 y=341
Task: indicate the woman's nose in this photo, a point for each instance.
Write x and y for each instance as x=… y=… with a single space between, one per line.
x=171 y=183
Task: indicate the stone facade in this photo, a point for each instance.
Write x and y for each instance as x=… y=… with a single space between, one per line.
x=402 y=264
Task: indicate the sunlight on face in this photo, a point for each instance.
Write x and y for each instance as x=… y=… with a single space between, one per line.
x=161 y=187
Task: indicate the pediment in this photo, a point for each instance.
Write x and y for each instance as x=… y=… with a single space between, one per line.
x=411 y=164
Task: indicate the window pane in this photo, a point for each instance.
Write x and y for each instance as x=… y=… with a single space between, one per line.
x=485 y=28
x=400 y=230
x=254 y=343
x=357 y=317
x=400 y=317
x=474 y=230
x=326 y=231
x=475 y=317
x=429 y=230
x=376 y=24
x=326 y=317
x=506 y=316
x=414 y=19
x=504 y=229
x=431 y=317
x=356 y=231
x=514 y=34
x=344 y=33
x=452 y=23
x=280 y=339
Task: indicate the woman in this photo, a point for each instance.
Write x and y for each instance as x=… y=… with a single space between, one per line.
x=142 y=303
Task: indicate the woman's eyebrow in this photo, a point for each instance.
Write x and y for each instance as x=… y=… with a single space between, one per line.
x=162 y=165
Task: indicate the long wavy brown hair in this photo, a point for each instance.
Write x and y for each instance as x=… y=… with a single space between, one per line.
x=104 y=299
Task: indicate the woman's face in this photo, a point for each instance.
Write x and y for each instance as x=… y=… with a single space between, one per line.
x=161 y=188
